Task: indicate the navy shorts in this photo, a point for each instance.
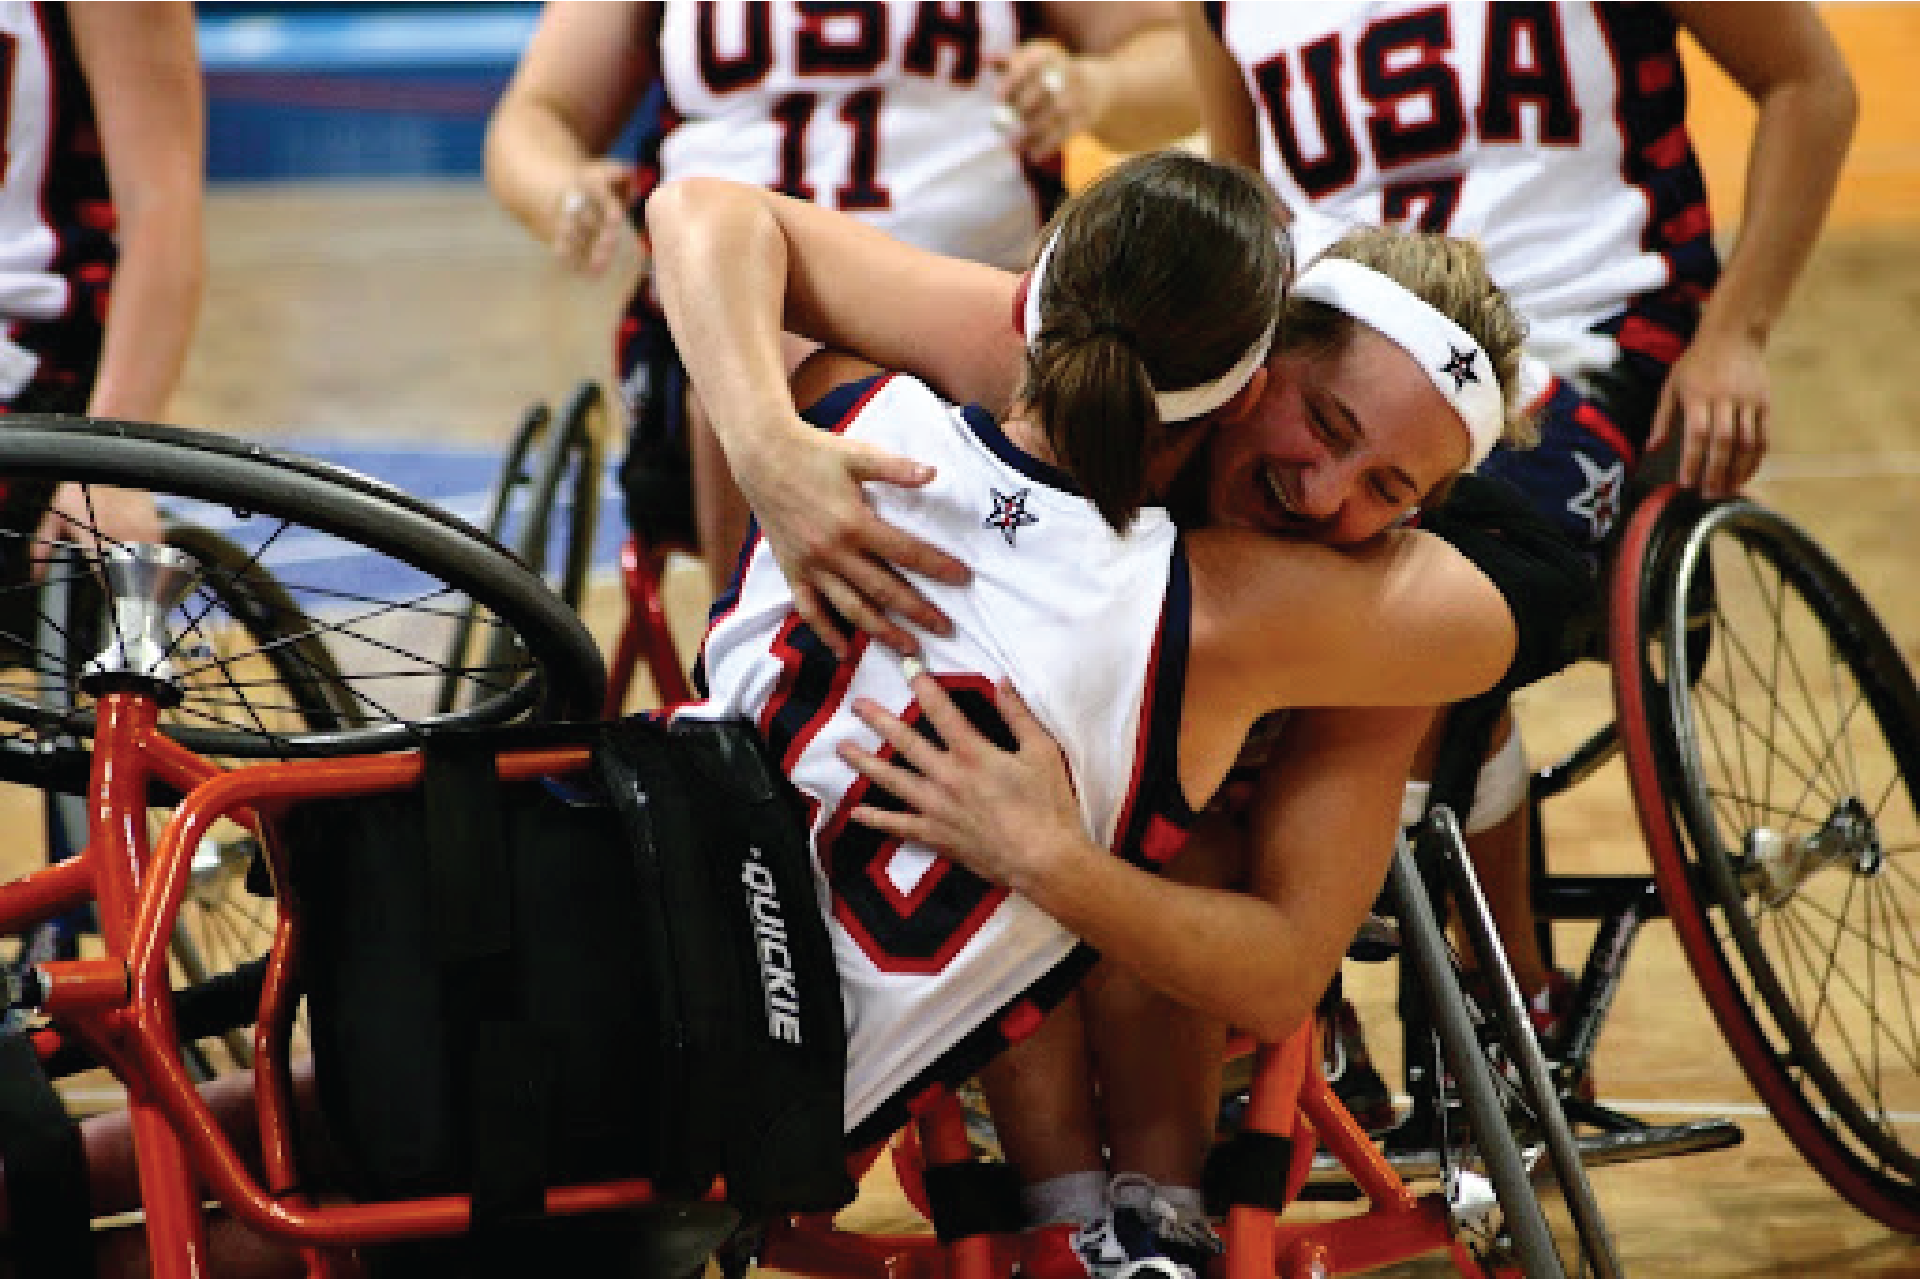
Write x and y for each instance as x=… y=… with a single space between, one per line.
x=1591 y=442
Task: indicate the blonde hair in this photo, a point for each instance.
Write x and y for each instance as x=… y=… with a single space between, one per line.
x=1448 y=273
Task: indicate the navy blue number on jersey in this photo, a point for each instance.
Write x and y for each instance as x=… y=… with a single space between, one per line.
x=1414 y=110
x=918 y=929
x=838 y=40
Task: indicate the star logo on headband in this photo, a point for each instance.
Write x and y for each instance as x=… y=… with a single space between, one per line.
x=1459 y=367
x=1009 y=513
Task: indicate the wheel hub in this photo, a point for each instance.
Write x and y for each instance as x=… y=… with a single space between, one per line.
x=1776 y=865
x=145 y=582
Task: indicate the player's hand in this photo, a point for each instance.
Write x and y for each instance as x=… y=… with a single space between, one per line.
x=1006 y=815
x=97 y=518
x=1717 y=397
x=845 y=565
x=591 y=229
x=1047 y=95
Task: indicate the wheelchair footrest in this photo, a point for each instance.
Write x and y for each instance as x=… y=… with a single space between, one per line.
x=1419 y=1160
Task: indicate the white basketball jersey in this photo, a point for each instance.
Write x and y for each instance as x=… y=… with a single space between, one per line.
x=1554 y=134
x=27 y=287
x=884 y=111
x=1088 y=625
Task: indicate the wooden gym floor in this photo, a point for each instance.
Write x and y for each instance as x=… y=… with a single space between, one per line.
x=399 y=312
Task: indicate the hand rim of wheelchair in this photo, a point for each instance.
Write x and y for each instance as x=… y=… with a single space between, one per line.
x=564 y=677
x=1662 y=556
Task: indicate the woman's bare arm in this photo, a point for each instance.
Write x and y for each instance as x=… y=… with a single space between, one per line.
x=1226 y=112
x=577 y=82
x=1717 y=395
x=734 y=266
x=1324 y=816
x=143 y=71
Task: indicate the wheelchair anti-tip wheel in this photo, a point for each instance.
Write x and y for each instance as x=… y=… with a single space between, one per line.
x=1772 y=731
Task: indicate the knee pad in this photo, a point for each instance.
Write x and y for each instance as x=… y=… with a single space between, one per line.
x=1500 y=787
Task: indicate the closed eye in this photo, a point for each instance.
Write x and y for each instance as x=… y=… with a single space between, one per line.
x=1336 y=433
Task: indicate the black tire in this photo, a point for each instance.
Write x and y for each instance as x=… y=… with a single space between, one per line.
x=550 y=468
x=1785 y=749
x=1480 y=1149
x=300 y=520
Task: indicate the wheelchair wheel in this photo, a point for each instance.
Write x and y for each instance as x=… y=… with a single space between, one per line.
x=381 y=578
x=544 y=506
x=228 y=917
x=254 y=637
x=1773 y=737
x=1486 y=1174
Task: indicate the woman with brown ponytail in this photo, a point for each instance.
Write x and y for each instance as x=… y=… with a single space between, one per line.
x=1145 y=327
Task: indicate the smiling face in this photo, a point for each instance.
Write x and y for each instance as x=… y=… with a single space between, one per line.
x=1338 y=448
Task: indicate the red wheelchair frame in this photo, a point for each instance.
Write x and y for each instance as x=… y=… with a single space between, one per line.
x=121 y=1008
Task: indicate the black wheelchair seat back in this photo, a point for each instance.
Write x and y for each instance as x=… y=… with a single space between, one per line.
x=516 y=986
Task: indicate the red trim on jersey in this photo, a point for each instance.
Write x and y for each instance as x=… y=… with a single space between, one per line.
x=1637 y=333
x=926 y=1098
x=1673 y=148
x=1657 y=73
x=1602 y=426
x=1162 y=840
x=879 y=381
x=783 y=691
x=1690 y=222
x=1021 y=1021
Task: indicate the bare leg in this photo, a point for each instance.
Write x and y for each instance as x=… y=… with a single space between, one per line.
x=114 y=1188
x=1041 y=1095
x=1160 y=1062
x=1500 y=860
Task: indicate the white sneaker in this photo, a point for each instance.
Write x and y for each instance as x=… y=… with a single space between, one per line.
x=1158 y=1238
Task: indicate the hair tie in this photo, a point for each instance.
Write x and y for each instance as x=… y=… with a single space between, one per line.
x=1449 y=355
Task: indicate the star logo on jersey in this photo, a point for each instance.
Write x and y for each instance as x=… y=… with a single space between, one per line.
x=1599 y=502
x=1009 y=513
x=1459 y=367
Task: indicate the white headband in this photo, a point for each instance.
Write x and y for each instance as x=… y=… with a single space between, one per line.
x=1448 y=353
x=1173 y=406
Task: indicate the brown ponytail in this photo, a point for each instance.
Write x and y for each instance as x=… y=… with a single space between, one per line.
x=1162 y=275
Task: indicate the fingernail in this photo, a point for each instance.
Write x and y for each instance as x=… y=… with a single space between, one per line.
x=911 y=666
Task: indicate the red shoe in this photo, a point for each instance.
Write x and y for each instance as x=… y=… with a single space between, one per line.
x=1551 y=1009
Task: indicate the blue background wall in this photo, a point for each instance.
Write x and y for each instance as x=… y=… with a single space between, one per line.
x=319 y=91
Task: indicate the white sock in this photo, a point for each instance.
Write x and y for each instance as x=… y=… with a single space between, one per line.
x=1071 y=1197
x=1137 y=1191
